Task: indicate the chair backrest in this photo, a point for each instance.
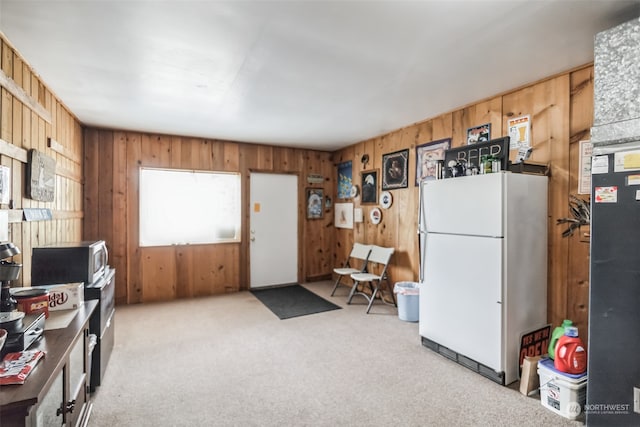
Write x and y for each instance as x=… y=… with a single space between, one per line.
x=360 y=251
x=380 y=255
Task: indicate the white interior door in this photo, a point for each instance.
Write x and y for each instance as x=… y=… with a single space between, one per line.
x=273 y=229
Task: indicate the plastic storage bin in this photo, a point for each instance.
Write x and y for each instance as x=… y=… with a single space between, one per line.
x=562 y=393
x=408 y=296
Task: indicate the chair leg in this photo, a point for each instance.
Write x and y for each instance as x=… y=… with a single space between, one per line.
x=336 y=285
x=373 y=296
x=353 y=291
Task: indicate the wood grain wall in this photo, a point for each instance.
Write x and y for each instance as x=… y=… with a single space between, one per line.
x=113 y=159
x=561 y=110
x=33 y=118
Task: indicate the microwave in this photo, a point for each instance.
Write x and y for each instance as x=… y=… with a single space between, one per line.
x=69 y=262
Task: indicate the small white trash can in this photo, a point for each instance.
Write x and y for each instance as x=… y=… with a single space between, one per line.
x=408 y=296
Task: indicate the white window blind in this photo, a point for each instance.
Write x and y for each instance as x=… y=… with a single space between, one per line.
x=180 y=207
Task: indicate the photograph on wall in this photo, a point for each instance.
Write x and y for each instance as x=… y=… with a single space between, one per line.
x=427 y=157
x=479 y=134
x=520 y=132
x=343 y=215
x=344 y=180
x=315 y=200
x=395 y=170
x=369 y=187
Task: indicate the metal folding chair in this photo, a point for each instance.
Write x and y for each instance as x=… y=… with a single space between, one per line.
x=359 y=255
x=381 y=256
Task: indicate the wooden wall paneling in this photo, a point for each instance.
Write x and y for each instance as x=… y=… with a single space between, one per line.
x=231 y=157
x=185 y=272
x=548 y=105
x=130 y=290
x=91 y=171
x=581 y=120
x=489 y=111
x=442 y=126
x=176 y=152
x=120 y=219
x=158 y=273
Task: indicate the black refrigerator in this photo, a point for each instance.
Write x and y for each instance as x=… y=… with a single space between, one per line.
x=614 y=303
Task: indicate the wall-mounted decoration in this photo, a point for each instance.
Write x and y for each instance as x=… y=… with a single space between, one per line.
x=584 y=168
x=364 y=160
x=427 y=157
x=315 y=200
x=37 y=214
x=328 y=202
x=5 y=185
x=344 y=215
x=468 y=156
x=369 y=187
x=344 y=180
x=41 y=176
x=375 y=216
x=520 y=132
x=479 y=134
x=314 y=178
x=395 y=170
x=386 y=200
x=355 y=191
x=357 y=215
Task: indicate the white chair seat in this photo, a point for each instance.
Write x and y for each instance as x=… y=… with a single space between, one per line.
x=346 y=270
x=364 y=277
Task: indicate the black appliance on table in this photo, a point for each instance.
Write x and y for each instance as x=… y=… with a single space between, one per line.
x=87 y=262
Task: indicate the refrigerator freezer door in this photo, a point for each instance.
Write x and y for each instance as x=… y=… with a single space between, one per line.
x=467 y=205
x=461 y=302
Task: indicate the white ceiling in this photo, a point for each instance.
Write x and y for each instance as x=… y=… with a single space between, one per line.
x=313 y=74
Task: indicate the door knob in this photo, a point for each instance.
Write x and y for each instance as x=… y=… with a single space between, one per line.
x=253 y=239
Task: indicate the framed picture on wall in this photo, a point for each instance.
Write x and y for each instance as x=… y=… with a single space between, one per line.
x=395 y=170
x=369 y=187
x=427 y=157
x=315 y=200
x=344 y=180
x=480 y=133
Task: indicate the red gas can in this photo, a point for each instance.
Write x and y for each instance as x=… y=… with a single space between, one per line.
x=571 y=356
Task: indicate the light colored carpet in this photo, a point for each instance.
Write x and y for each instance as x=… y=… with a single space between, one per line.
x=229 y=361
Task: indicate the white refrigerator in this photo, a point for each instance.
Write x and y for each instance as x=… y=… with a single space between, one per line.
x=483 y=268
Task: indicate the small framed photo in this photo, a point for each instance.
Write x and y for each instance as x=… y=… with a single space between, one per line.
x=344 y=180
x=395 y=170
x=369 y=185
x=427 y=157
x=479 y=134
x=315 y=203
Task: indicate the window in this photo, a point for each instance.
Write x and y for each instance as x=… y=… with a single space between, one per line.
x=180 y=207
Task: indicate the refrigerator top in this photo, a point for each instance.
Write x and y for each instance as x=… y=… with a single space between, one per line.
x=468 y=205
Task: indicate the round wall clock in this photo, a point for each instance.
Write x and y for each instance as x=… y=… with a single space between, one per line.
x=354 y=191
x=375 y=216
x=386 y=200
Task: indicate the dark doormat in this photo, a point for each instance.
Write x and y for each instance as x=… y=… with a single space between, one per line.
x=292 y=301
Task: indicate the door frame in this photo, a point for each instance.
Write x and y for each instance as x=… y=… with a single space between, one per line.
x=246 y=232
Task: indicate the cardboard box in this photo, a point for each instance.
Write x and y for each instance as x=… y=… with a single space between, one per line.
x=69 y=296
x=529 y=379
